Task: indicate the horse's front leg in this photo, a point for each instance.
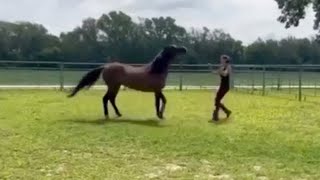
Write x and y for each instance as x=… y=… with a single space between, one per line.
x=163 y=104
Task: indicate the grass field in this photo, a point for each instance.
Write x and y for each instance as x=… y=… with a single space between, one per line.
x=43 y=135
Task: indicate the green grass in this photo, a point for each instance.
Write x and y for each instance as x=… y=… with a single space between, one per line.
x=44 y=135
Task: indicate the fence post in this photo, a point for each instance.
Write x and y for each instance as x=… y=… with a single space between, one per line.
x=210 y=69
x=263 y=81
x=253 y=82
x=180 y=77
x=300 y=82
x=61 y=67
x=289 y=86
x=278 y=81
x=232 y=78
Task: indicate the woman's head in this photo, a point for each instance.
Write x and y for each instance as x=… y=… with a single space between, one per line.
x=224 y=59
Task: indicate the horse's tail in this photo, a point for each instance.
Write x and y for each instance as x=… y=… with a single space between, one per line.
x=87 y=80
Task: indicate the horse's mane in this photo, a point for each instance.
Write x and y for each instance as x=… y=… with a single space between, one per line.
x=159 y=64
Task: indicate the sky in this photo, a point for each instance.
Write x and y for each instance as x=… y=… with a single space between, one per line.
x=245 y=20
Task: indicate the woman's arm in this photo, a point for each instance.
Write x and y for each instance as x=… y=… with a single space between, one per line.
x=225 y=72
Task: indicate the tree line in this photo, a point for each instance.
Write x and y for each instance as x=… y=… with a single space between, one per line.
x=115 y=36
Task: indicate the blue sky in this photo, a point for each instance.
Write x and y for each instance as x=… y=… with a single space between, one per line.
x=245 y=20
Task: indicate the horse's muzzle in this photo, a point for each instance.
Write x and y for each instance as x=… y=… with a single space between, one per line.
x=183 y=50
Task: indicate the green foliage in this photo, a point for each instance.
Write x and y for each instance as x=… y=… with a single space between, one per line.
x=115 y=36
x=292 y=11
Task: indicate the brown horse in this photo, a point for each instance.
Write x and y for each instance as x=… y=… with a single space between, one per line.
x=148 y=78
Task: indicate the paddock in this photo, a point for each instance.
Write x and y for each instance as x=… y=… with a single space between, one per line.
x=273 y=133
x=44 y=135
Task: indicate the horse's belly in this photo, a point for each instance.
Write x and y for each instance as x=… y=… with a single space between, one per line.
x=150 y=84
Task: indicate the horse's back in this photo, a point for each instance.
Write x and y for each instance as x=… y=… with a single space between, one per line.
x=112 y=72
x=116 y=69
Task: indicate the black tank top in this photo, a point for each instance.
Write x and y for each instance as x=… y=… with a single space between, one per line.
x=224 y=80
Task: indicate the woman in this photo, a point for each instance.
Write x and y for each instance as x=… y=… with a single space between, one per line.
x=224 y=72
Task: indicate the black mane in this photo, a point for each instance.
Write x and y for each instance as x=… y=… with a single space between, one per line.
x=160 y=64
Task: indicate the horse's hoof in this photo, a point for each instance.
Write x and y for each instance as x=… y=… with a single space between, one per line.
x=106 y=117
x=160 y=116
x=228 y=113
x=215 y=119
x=119 y=115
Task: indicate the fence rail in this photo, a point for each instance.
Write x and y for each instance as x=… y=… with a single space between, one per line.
x=299 y=81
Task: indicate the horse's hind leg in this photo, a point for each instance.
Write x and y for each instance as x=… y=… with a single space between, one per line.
x=113 y=95
x=105 y=104
x=157 y=103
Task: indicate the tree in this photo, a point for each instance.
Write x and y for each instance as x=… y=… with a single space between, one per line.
x=25 y=41
x=158 y=32
x=263 y=52
x=292 y=11
x=116 y=36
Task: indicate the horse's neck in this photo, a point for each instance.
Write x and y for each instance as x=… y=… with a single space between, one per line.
x=157 y=66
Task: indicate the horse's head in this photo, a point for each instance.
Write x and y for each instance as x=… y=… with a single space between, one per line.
x=161 y=62
x=172 y=51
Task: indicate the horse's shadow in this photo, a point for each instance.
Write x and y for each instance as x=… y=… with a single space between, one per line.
x=142 y=122
x=3 y=98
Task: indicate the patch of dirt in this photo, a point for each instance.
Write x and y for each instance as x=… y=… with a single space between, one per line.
x=222 y=177
x=173 y=167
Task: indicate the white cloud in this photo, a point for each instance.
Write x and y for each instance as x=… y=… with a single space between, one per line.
x=243 y=19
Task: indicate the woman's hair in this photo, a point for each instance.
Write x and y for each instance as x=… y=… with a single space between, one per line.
x=226 y=57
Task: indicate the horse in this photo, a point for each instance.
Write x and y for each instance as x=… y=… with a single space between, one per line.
x=147 y=78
